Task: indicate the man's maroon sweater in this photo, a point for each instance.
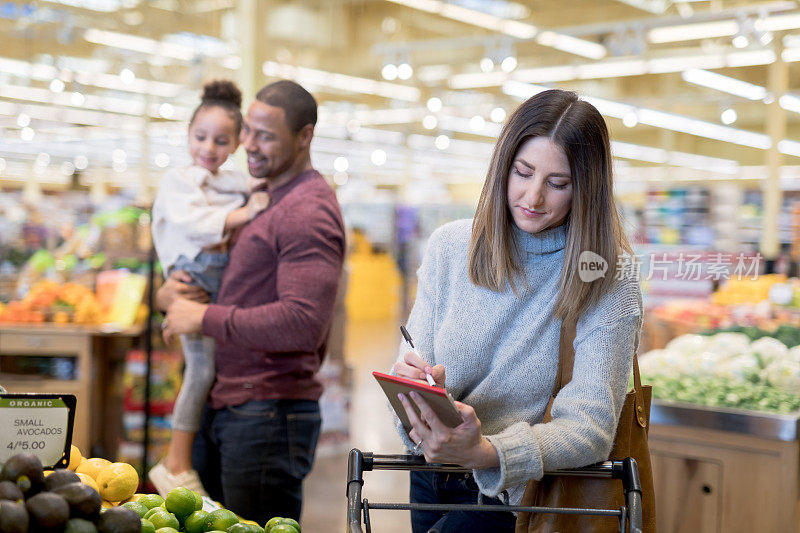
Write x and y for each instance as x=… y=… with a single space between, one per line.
x=275 y=303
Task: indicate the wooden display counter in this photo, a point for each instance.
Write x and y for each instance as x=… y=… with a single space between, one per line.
x=89 y=365
x=724 y=470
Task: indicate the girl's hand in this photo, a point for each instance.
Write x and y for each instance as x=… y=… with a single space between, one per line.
x=415 y=367
x=257 y=202
x=462 y=445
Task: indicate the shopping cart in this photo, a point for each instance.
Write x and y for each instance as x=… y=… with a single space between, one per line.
x=629 y=516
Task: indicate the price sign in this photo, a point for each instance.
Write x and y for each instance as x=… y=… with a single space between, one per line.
x=40 y=424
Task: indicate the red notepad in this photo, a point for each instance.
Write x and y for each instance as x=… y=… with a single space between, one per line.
x=438 y=398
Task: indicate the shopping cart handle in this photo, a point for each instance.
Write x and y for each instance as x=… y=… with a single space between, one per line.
x=359 y=462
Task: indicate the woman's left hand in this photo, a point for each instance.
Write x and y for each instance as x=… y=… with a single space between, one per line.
x=462 y=445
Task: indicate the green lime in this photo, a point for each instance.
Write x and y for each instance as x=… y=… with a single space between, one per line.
x=166 y=530
x=291 y=522
x=198 y=501
x=138 y=507
x=283 y=528
x=245 y=528
x=151 y=500
x=163 y=518
x=220 y=519
x=274 y=521
x=195 y=522
x=147 y=526
x=180 y=502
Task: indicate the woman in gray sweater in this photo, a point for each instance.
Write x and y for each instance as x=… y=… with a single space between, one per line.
x=491 y=298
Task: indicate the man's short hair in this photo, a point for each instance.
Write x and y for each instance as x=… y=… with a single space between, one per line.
x=298 y=105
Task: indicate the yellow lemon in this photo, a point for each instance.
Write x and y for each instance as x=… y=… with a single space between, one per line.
x=75 y=458
x=118 y=481
x=86 y=479
x=48 y=472
x=106 y=504
x=92 y=467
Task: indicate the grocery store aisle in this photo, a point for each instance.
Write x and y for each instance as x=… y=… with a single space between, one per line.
x=370 y=345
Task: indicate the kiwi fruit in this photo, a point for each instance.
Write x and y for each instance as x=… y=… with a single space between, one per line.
x=48 y=511
x=13 y=517
x=60 y=478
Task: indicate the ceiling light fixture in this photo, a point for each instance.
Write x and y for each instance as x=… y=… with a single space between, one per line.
x=404 y=71
x=508 y=64
x=728 y=116
x=341 y=82
x=512 y=28
x=726 y=84
x=573 y=45
x=434 y=104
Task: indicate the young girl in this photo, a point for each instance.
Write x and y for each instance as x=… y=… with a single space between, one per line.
x=194 y=212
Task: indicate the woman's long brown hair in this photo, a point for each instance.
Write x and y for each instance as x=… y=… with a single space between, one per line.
x=594 y=221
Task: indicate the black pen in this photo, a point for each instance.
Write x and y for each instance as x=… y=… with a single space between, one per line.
x=407 y=337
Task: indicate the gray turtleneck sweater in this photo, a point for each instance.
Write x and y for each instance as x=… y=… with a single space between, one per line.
x=500 y=353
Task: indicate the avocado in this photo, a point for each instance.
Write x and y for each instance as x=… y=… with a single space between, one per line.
x=13 y=517
x=119 y=520
x=79 y=525
x=83 y=500
x=10 y=491
x=48 y=511
x=26 y=471
x=60 y=477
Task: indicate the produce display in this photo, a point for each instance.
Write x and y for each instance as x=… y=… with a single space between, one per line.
x=95 y=495
x=48 y=301
x=747 y=368
x=56 y=268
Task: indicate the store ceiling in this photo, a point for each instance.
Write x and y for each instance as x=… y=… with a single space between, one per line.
x=108 y=84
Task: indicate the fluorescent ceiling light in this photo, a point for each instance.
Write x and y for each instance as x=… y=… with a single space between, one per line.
x=341 y=82
x=659 y=119
x=726 y=84
x=790 y=103
x=103 y=6
x=690 y=32
x=679 y=159
x=572 y=45
x=474 y=80
x=619 y=68
x=789 y=147
x=719 y=28
x=139 y=44
x=522 y=90
x=790 y=21
x=513 y=28
x=38 y=71
x=622 y=67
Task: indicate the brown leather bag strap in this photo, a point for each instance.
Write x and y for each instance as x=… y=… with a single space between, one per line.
x=566 y=362
x=566 y=356
x=637 y=387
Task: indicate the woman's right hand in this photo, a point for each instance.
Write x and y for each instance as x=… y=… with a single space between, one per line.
x=415 y=367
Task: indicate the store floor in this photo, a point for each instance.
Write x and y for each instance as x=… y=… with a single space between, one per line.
x=369 y=346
